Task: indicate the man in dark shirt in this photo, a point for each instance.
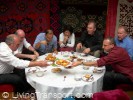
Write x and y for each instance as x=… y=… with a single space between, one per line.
x=90 y=41
x=120 y=61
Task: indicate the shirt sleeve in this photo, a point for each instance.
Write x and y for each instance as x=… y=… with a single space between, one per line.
x=72 y=41
x=111 y=58
x=10 y=59
x=16 y=52
x=129 y=48
x=61 y=37
x=26 y=44
x=39 y=38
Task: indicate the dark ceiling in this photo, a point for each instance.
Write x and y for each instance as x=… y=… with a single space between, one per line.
x=88 y=2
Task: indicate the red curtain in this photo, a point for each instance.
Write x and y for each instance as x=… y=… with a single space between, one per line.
x=111 y=18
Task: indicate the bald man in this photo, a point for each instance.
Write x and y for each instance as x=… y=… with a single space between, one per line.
x=12 y=68
x=120 y=61
x=18 y=53
x=123 y=40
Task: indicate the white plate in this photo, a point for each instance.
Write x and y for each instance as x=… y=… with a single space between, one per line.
x=78 y=77
x=98 y=70
x=40 y=74
x=62 y=65
x=86 y=67
x=88 y=79
x=83 y=54
x=33 y=69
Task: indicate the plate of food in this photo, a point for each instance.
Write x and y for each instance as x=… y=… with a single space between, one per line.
x=50 y=57
x=73 y=57
x=56 y=70
x=98 y=70
x=88 y=77
x=64 y=63
x=80 y=59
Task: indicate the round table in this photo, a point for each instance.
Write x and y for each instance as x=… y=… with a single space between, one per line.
x=55 y=86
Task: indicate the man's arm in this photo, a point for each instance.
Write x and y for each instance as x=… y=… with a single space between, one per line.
x=37 y=45
x=93 y=63
x=39 y=40
x=38 y=63
x=34 y=51
x=19 y=55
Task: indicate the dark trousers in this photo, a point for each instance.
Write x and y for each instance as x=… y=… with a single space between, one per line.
x=111 y=79
x=17 y=79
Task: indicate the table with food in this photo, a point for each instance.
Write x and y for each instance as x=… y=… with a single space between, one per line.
x=60 y=79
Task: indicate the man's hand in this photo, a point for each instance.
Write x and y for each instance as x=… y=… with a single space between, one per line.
x=42 y=63
x=76 y=63
x=36 y=53
x=32 y=57
x=87 y=50
x=44 y=42
x=56 y=52
x=79 y=46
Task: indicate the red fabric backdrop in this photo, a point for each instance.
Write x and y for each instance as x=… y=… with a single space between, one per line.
x=33 y=16
x=111 y=18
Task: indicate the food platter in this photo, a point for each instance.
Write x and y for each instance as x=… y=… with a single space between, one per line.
x=64 y=63
x=50 y=57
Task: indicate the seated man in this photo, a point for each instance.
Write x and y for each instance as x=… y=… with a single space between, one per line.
x=67 y=39
x=18 y=53
x=46 y=42
x=12 y=68
x=124 y=41
x=120 y=61
x=91 y=41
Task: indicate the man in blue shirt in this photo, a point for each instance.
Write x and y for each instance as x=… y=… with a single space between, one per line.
x=46 y=42
x=124 y=41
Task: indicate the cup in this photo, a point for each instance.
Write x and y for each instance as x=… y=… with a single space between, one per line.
x=86 y=67
x=77 y=77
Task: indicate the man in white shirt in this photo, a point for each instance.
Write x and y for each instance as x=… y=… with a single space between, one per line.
x=18 y=53
x=11 y=67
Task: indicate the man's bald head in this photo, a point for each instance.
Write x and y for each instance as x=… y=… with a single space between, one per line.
x=12 y=41
x=21 y=34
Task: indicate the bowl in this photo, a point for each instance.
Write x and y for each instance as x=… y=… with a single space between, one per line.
x=39 y=73
x=86 y=67
x=77 y=77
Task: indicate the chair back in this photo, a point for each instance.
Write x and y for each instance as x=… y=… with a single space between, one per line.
x=117 y=94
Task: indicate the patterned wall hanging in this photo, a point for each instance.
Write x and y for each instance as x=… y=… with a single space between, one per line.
x=125 y=15
x=33 y=16
x=78 y=20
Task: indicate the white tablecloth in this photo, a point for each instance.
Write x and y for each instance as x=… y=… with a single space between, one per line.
x=51 y=86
